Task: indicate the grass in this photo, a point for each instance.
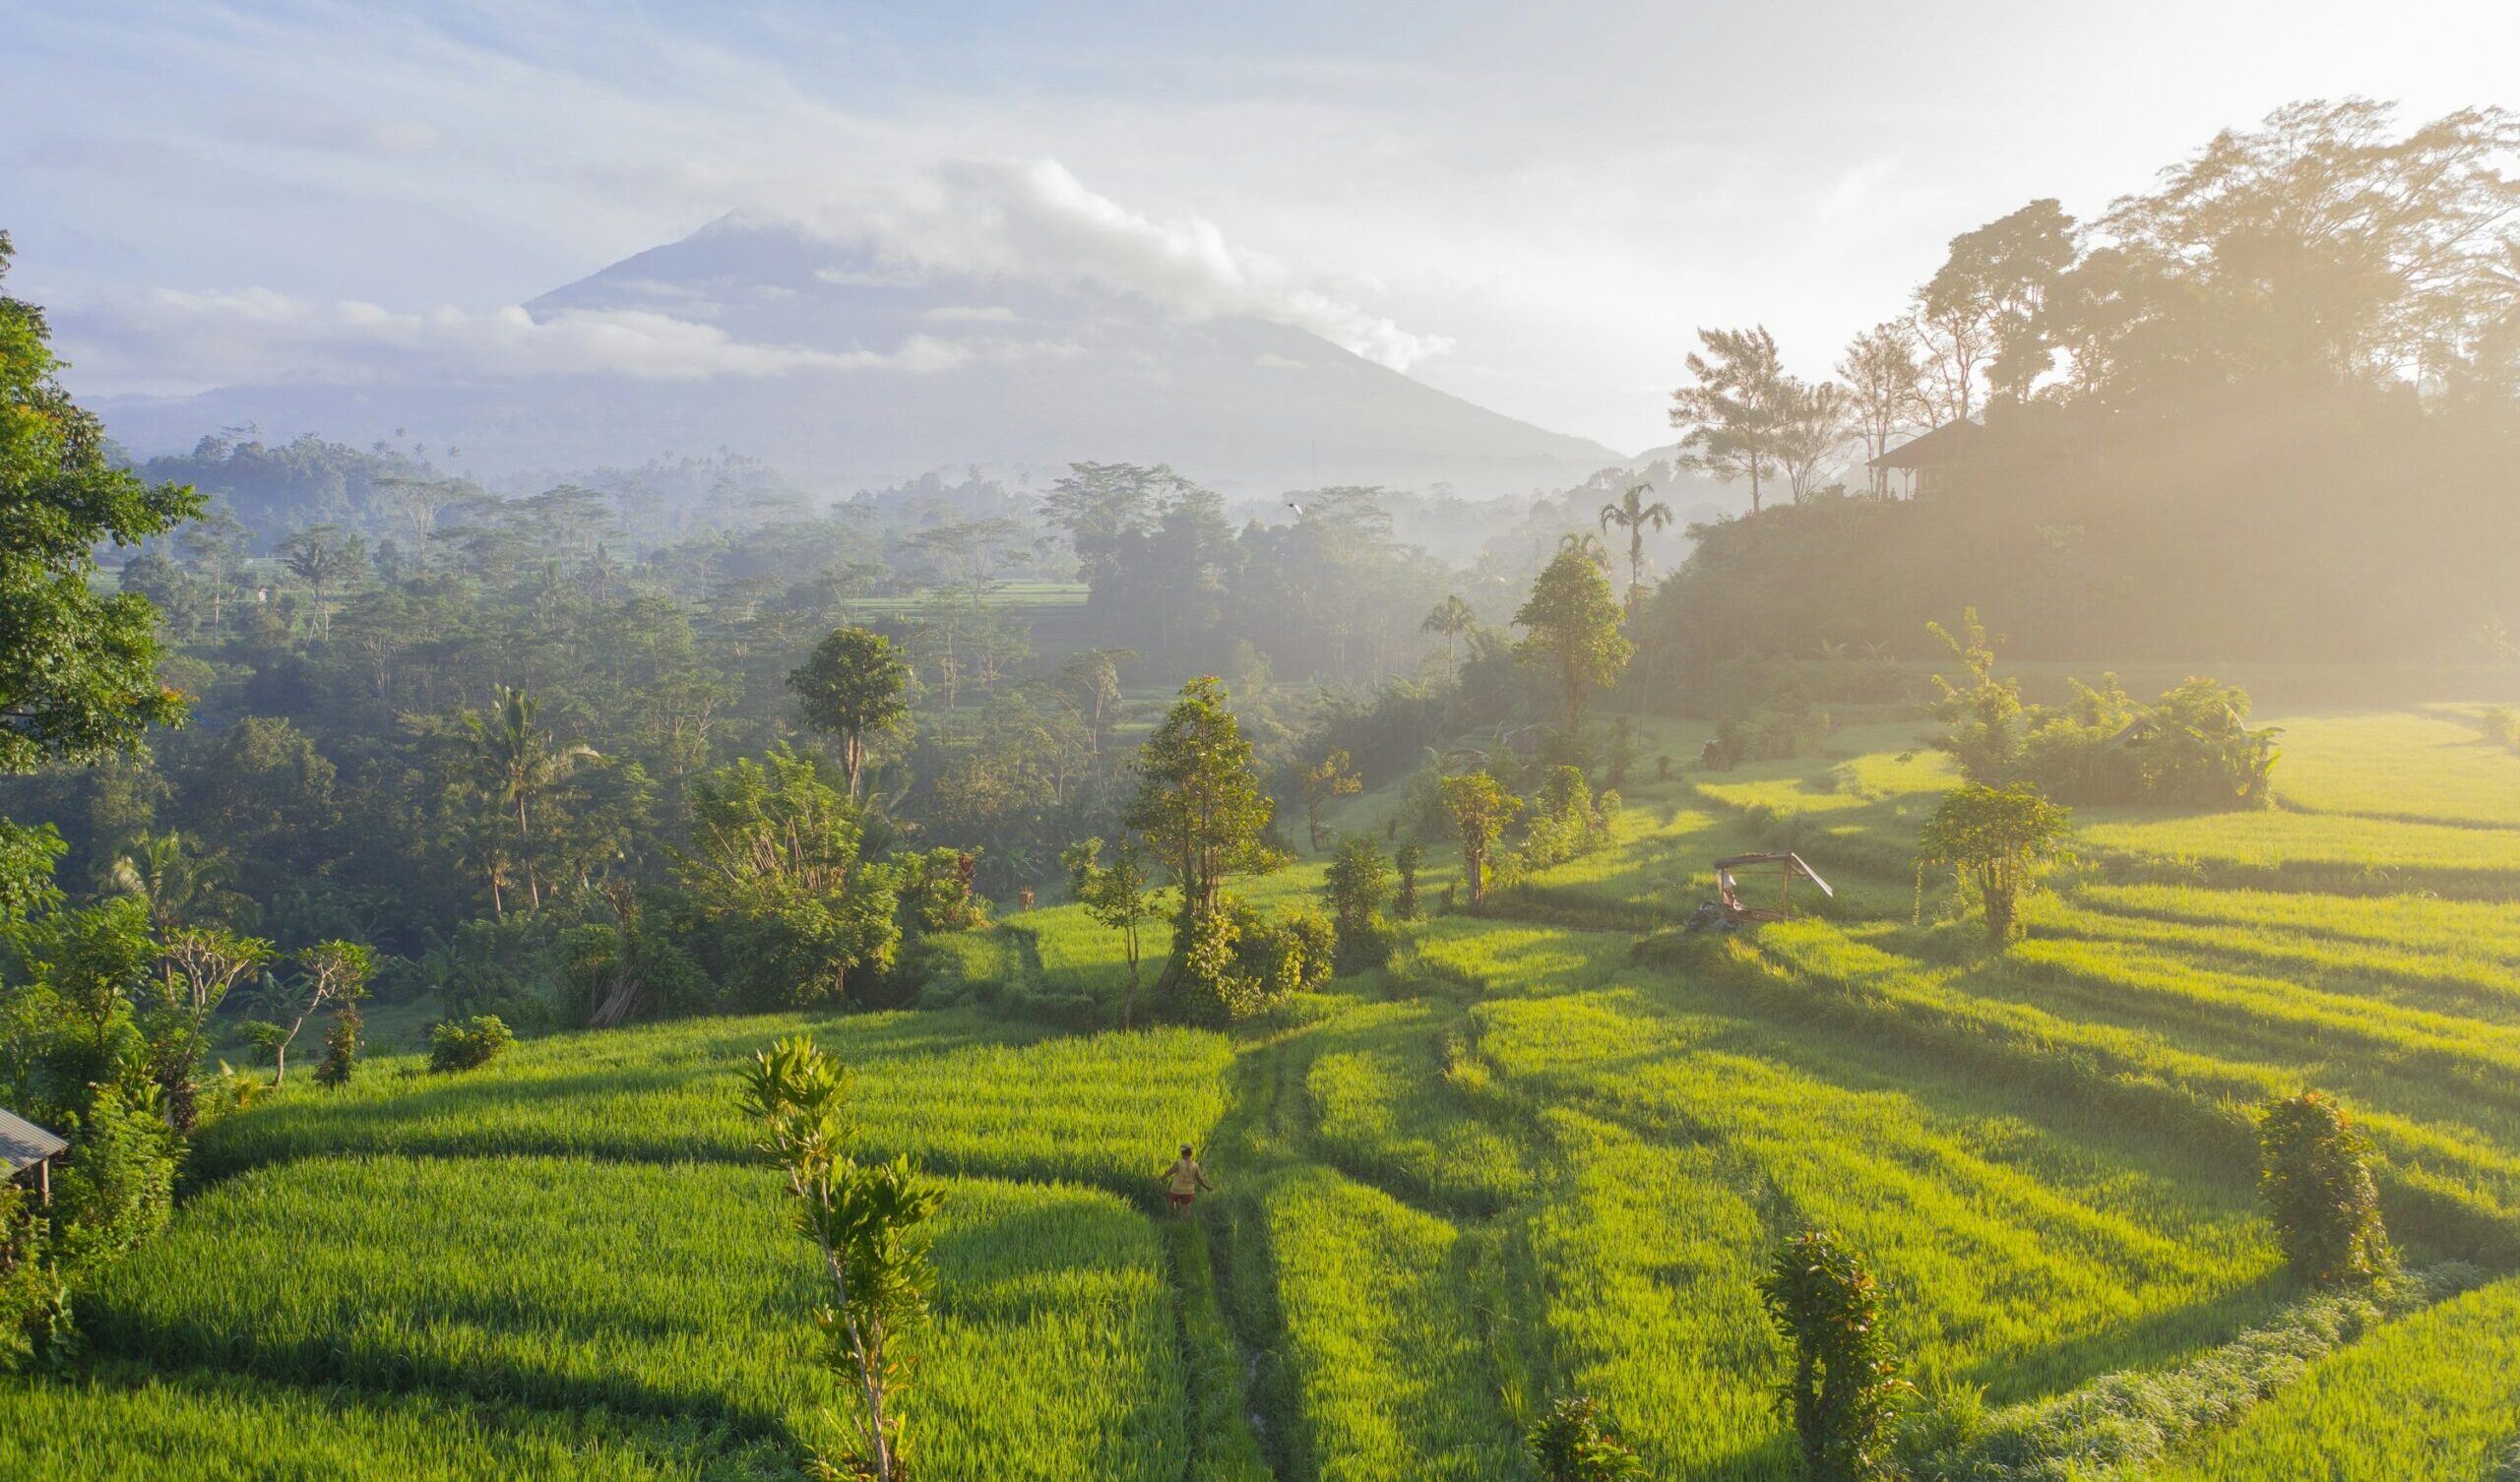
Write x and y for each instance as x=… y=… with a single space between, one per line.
x=1542 y=1153
x=2437 y=1394
x=2424 y=769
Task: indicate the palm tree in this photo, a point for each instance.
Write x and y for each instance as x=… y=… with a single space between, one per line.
x=169 y=878
x=518 y=763
x=1452 y=618
x=1634 y=516
x=1585 y=543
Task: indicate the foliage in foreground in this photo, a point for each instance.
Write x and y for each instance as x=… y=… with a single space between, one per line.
x=1570 y=1443
x=1843 y=1386
x=866 y=1220
x=2316 y=1179
x=1997 y=840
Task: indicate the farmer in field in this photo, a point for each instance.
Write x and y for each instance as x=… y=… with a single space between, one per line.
x=1183 y=1181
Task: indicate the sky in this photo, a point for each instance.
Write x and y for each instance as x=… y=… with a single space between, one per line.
x=1532 y=207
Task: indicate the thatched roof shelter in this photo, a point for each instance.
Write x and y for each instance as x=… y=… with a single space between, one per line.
x=25 y=1146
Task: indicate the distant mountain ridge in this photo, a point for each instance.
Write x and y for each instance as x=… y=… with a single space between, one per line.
x=888 y=373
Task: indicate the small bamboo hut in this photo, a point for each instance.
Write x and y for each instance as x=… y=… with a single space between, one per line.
x=1728 y=891
x=24 y=1146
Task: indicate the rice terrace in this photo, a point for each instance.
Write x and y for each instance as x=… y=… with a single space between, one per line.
x=1022 y=788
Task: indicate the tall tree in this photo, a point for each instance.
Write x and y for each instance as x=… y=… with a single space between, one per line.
x=1333 y=776
x=1451 y=619
x=1634 y=516
x=1985 y=311
x=1571 y=624
x=519 y=763
x=852 y=688
x=329 y=561
x=1730 y=417
x=1200 y=803
x=78 y=671
x=1811 y=428
x=1884 y=394
x=1120 y=896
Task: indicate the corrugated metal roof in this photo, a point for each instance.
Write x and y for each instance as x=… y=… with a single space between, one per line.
x=22 y=1143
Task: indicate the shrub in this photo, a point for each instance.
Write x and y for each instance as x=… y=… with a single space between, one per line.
x=1997 y=840
x=2316 y=1179
x=936 y=890
x=34 y=1301
x=341 y=1047
x=1566 y=821
x=2502 y=725
x=468 y=1044
x=1844 y=1388
x=1360 y=884
x=1234 y=962
x=1407 y=861
x=119 y=1188
x=1571 y=1445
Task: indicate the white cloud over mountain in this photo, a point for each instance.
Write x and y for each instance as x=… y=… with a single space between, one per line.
x=1029 y=221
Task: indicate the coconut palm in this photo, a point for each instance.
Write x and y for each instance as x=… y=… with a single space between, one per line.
x=518 y=763
x=1451 y=618
x=1586 y=544
x=1634 y=516
x=171 y=880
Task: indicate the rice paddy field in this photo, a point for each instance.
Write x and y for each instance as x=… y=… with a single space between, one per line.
x=1545 y=1151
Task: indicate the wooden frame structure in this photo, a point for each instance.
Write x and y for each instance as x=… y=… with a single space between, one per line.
x=25 y=1146
x=1788 y=864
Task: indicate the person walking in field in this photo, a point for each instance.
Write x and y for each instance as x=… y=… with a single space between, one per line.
x=1183 y=1181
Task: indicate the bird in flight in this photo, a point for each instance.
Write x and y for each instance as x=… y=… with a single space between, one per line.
x=1299 y=509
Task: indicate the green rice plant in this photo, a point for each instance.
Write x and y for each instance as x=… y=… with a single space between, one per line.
x=1649 y=1255
x=961 y=1093
x=2490 y=929
x=2458 y=978
x=128 y=1427
x=674 y=1292
x=1384 y=1111
x=1382 y=1339
x=2425 y=768
x=2120 y=1426
x=2437 y=1394
x=2296 y=850
x=1999 y=1271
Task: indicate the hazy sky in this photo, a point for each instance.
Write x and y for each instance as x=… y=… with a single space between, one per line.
x=1530 y=206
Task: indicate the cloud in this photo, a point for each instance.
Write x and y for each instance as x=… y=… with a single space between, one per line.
x=182 y=340
x=1032 y=220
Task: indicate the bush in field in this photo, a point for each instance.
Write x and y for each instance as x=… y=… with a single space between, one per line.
x=1479 y=811
x=936 y=890
x=1238 y=961
x=865 y=1219
x=1843 y=1388
x=2194 y=746
x=1407 y=861
x=1983 y=718
x=341 y=1047
x=2503 y=726
x=774 y=861
x=1569 y=1444
x=1996 y=840
x=34 y=1301
x=119 y=1188
x=1360 y=884
x=1566 y=821
x=2316 y=1176
x=468 y=1044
